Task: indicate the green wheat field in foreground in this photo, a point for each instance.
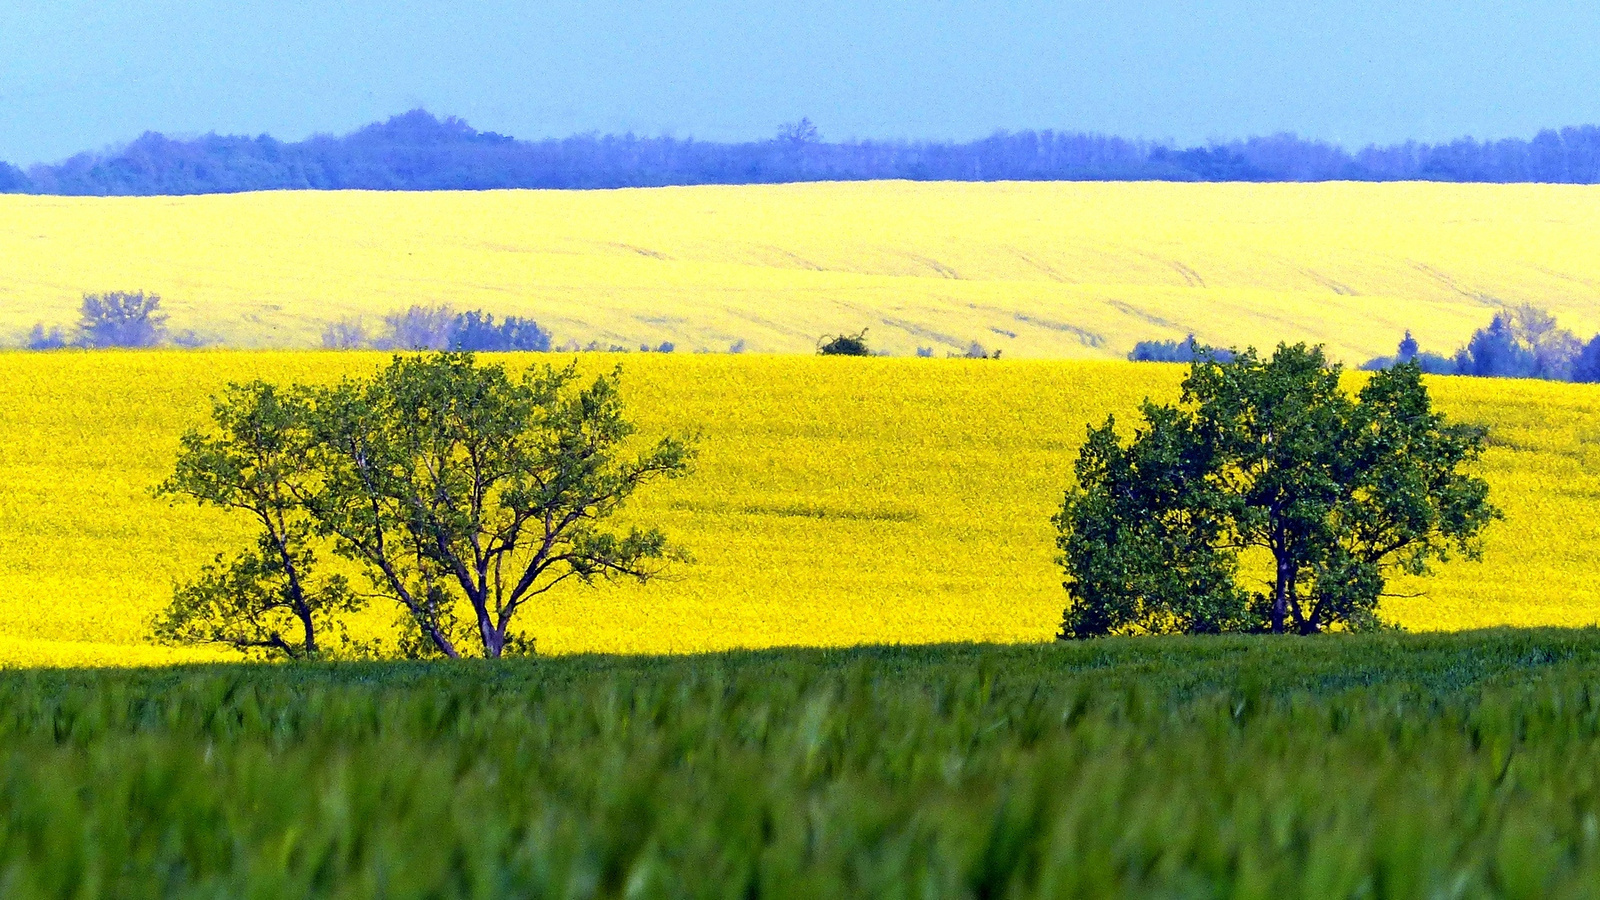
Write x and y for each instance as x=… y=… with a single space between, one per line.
x=1463 y=765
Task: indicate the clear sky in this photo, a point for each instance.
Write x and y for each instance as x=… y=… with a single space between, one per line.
x=76 y=74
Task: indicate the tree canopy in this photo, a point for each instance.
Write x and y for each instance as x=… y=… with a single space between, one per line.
x=462 y=491
x=1269 y=468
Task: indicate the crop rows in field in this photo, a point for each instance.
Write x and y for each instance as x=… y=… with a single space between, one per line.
x=1064 y=270
x=836 y=501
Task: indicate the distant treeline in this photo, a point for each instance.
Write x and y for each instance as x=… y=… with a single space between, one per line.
x=417 y=151
x=1519 y=342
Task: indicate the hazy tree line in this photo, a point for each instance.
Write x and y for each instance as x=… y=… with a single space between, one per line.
x=417 y=151
x=1519 y=342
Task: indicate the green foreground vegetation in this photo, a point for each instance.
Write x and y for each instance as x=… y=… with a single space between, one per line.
x=1377 y=765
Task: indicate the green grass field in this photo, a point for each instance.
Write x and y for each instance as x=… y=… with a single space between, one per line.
x=1458 y=765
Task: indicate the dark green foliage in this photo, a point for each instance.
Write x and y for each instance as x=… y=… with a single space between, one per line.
x=1369 y=766
x=268 y=600
x=1143 y=540
x=845 y=345
x=121 y=319
x=450 y=480
x=1269 y=456
x=464 y=493
x=1184 y=351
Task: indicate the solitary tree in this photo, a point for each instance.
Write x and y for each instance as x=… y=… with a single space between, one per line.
x=268 y=599
x=1270 y=457
x=845 y=345
x=451 y=481
x=122 y=319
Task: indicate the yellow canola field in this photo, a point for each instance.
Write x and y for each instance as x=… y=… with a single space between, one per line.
x=1055 y=270
x=836 y=501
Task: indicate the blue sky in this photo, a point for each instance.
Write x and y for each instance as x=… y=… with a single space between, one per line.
x=78 y=75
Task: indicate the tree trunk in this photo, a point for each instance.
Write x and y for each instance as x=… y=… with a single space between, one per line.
x=1280 y=597
x=494 y=640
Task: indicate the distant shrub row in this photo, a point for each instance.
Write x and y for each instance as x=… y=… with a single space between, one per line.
x=1184 y=351
x=1519 y=342
x=440 y=328
x=112 y=319
x=843 y=344
x=1522 y=342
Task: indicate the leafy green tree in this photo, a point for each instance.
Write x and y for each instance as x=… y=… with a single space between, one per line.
x=1269 y=459
x=268 y=599
x=450 y=481
x=258 y=603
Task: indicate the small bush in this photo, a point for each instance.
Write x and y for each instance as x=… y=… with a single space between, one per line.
x=346 y=334
x=41 y=339
x=122 y=319
x=845 y=345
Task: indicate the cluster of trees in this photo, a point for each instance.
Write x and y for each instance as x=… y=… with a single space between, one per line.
x=1267 y=459
x=440 y=328
x=461 y=493
x=1184 y=351
x=112 y=319
x=1521 y=342
x=417 y=151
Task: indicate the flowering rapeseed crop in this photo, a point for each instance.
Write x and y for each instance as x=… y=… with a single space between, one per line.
x=1036 y=270
x=836 y=501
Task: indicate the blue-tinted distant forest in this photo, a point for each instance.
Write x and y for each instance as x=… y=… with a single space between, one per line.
x=417 y=151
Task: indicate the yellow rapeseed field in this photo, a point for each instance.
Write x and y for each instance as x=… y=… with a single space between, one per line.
x=836 y=501
x=1036 y=270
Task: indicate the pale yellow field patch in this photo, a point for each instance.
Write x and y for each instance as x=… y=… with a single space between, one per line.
x=1062 y=270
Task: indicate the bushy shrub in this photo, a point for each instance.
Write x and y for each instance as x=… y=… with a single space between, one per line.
x=42 y=339
x=121 y=319
x=346 y=334
x=845 y=345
